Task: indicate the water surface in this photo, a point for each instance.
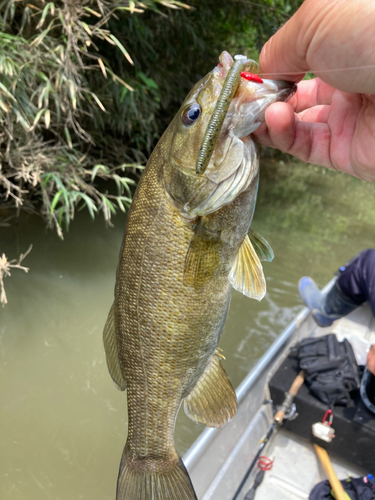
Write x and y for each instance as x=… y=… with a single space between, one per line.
x=63 y=423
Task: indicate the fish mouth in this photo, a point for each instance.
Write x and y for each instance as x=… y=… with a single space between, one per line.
x=248 y=111
x=286 y=89
x=236 y=93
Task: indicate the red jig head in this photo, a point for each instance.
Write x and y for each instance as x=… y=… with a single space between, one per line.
x=252 y=77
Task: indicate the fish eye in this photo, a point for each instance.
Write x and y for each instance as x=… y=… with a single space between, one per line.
x=191 y=114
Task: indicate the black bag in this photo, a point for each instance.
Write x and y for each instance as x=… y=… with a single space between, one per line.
x=331 y=370
x=358 y=488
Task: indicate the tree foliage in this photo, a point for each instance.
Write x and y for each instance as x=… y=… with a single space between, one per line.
x=51 y=114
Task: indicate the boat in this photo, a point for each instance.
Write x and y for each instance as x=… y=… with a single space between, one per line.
x=219 y=459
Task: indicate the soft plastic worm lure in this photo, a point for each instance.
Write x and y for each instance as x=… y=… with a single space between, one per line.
x=216 y=121
x=251 y=77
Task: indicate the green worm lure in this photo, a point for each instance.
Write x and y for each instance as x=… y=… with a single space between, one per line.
x=216 y=121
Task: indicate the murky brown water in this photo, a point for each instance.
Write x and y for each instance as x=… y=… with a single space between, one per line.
x=63 y=423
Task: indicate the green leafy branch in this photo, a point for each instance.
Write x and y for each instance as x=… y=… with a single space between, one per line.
x=50 y=112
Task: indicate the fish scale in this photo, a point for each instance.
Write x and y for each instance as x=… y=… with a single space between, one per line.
x=159 y=295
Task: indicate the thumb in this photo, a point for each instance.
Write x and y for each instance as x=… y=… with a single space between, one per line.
x=284 y=56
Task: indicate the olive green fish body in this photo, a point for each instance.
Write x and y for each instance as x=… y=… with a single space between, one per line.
x=185 y=248
x=167 y=333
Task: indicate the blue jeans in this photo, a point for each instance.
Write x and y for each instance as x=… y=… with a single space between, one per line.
x=357 y=281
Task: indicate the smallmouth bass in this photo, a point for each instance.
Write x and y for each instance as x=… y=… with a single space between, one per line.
x=186 y=246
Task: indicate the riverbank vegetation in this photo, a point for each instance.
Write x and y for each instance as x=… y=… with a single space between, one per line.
x=52 y=144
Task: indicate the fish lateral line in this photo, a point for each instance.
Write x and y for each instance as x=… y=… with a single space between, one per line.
x=230 y=85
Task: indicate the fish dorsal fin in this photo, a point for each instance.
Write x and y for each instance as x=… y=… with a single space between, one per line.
x=261 y=246
x=202 y=261
x=212 y=401
x=111 y=351
x=246 y=275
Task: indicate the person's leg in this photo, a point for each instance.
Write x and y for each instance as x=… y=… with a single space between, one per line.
x=357 y=281
x=354 y=286
x=325 y=307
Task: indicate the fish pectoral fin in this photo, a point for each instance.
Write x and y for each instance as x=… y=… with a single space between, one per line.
x=111 y=351
x=212 y=401
x=202 y=261
x=246 y=275
x=261 y=246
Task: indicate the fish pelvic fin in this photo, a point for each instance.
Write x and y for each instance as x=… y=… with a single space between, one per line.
x=111 y=351
x=246 y=275
x=202 y=261
x=153 y=479
x=212 y=401
x=261 y=246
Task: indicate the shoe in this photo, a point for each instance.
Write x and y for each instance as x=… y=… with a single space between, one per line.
x=325 y=307
x=310 y=293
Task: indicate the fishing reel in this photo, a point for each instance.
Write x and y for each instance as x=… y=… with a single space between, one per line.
x=288 y=408
x=292 y=413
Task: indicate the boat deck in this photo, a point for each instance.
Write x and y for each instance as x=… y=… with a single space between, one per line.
x=296 y=469
x=218 y=460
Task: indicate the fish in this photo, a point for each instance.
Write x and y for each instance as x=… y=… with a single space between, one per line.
x=187 y=244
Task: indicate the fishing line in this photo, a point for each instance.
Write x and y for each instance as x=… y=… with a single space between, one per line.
x=314 y=71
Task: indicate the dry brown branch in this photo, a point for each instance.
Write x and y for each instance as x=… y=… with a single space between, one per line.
x=58 y=91
x=5 y=267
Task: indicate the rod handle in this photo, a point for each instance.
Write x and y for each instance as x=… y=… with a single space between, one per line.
x=294 y=388
x=297 y=384
x=331 y=474
x=279 y=417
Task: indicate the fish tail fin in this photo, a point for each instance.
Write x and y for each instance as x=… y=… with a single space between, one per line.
x=153 y=479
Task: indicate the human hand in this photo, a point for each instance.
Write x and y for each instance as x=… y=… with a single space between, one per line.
x=330 y=121
x=371 y=360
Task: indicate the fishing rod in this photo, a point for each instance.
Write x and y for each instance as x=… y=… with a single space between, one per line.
x=276 y=423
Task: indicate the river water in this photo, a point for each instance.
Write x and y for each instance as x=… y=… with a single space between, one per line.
x=63 y=423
